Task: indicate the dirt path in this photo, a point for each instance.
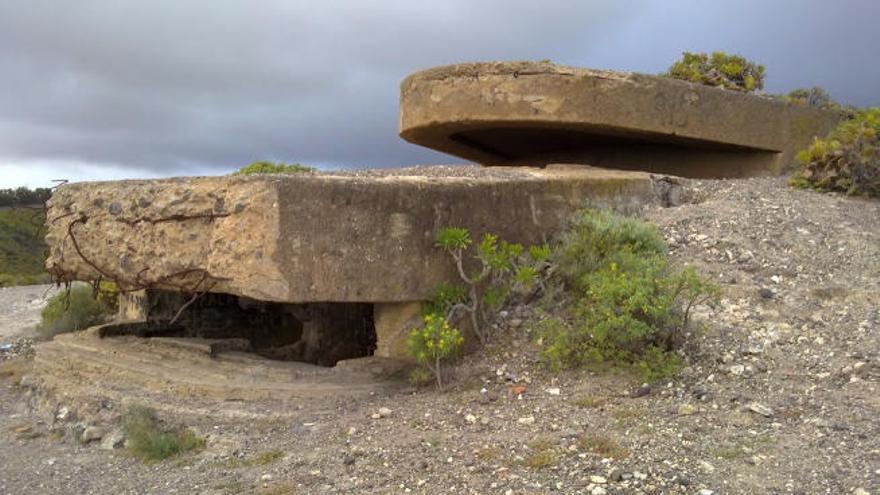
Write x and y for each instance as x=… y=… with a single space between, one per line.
x=781 y=394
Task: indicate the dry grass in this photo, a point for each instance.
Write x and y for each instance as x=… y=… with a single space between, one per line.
x=543 y=454
x=591 y=402
x=541 y=460
x=279 y=489
x=602 y=445
x=488 y=454
x=14 y=369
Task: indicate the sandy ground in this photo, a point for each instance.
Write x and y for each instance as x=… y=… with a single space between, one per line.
x=20 y=309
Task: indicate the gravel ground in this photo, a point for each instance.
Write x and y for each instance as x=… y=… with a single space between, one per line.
x=780 y=394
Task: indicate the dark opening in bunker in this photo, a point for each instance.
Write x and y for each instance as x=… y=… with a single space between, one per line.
x=661 y=153
x=317 y=333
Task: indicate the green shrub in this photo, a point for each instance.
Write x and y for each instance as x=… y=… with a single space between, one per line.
x=718 y=69
x=847 y=160
x=433 y=343
x=596 y=235
x=74 y=310
x=814 y=97
x=147 y=440
x=266 y=167
x=629 y=306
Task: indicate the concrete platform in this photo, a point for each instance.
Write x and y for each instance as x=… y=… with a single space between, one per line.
x=86 y=372
x=536 y=113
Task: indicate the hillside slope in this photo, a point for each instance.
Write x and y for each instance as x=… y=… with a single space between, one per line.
x=22 y=248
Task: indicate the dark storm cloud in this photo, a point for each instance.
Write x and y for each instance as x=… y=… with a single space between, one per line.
x=182 y=87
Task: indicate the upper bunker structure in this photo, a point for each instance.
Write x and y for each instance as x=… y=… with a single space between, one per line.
x=326 y=267
x=534 y=113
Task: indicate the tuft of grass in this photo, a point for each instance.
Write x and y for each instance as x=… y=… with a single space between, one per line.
x=268 y=457
x=728 y=453
x=488 y=454
x=14 y=370
x=602 y=445
x=280 y=489
x=261 y=459
x=624 y=414
x=591 y=402
x=541 y=459
x=25 y=432
x=543 y=454
x=541 y=444
x=148 y=440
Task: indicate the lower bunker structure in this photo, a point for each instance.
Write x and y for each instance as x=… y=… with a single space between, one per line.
x=309 y=267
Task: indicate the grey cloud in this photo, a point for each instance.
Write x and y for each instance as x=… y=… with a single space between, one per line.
x=188 y=87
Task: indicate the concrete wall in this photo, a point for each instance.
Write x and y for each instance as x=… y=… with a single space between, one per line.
x=312 y=237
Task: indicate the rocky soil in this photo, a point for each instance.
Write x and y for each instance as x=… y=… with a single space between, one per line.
x=780 y=394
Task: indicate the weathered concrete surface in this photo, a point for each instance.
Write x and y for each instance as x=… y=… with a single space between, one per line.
x=313 y=237
x=394 y=322
x=537 y=112
x=83 y=371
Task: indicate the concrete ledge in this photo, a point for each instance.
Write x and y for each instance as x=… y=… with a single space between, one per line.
x=536 y=113
x=364 y=237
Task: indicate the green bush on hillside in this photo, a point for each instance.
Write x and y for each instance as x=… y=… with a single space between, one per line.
x=628 y=307
x=266 y=167
x=718 y=69
x=847 y=160
x=22 y=247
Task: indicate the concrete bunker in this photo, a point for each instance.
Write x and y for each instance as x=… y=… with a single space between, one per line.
x=323 y=268
x=315 y=333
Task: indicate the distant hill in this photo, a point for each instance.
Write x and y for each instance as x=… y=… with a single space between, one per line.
x=22 y=248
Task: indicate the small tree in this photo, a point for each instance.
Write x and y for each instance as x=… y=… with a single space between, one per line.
x=504 y=268
x=434 y=342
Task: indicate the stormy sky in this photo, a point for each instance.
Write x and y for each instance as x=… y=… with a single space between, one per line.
x=112 y=89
